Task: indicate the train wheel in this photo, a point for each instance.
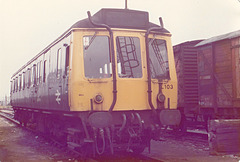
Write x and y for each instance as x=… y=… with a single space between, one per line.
x=51 y=127
x=139 y=149
x=76 y=140
x=40 y=122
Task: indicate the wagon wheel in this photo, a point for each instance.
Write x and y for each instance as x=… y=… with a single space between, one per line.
x=206 y=118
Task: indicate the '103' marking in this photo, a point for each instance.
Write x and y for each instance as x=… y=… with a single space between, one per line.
x=167 y=86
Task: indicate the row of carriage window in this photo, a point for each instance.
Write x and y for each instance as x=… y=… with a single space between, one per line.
x=37 y=74
x=31 y=77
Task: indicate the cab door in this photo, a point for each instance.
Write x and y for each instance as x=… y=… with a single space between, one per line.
x=131 y=83
x=65 y=76
x=55 y=79
x=59 y=77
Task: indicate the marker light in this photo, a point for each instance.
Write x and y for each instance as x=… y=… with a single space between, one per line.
x=161 y=98
x=98 y=98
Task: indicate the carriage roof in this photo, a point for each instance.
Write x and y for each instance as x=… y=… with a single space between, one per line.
x=114 y=18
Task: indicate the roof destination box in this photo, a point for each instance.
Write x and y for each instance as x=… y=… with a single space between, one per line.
x=122 y=18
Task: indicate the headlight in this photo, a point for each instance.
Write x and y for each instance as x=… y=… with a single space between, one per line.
x=161 y=97
x=98 y=98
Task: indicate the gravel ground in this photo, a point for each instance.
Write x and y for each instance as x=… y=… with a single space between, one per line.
x=20 y=145
x=17 y=144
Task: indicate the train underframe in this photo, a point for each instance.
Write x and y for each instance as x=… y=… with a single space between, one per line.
x=94 y=133
x=199 y=117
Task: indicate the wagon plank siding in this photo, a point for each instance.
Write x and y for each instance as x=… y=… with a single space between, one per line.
x=236 y=65
x=219 y=70
x=235 y=46
x=223 y=57
x=206 y=76
x=224 y=136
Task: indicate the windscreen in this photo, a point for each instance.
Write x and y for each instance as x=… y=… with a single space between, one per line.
x=96 y=57
x=128 y=57
x=158 y=59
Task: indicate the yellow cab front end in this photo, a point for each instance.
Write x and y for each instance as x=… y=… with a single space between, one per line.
x=120 y=83
x=91 y=72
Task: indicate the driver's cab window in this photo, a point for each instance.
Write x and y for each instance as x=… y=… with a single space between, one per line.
x=159 y=65
x=129 y=62
x=96 y=54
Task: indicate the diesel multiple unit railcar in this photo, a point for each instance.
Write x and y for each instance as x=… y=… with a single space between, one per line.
x=208 y=77
x=108 y=82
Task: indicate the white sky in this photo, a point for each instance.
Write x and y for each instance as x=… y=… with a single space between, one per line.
x=28 y=26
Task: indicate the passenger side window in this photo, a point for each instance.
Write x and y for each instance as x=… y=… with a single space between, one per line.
x=37 y=74
x=20 y=82
x=16 y=84
x=13 y=86
x=59 y=63
x=23 y=81
x=40 y=72
x=44 y=70
x=34 y=75
x=29 y=77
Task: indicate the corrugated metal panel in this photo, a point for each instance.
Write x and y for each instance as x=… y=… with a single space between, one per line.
x=190 y=75
x=187 y=73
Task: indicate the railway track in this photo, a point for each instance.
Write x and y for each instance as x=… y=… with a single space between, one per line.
x=8 y=114
x=199 y=137
x=195 y=137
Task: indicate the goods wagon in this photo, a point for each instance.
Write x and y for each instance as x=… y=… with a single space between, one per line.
x=108 y=83
x=208 y=77
x=218 y=65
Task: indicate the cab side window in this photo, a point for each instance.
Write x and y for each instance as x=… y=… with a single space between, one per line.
x=67 y=61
